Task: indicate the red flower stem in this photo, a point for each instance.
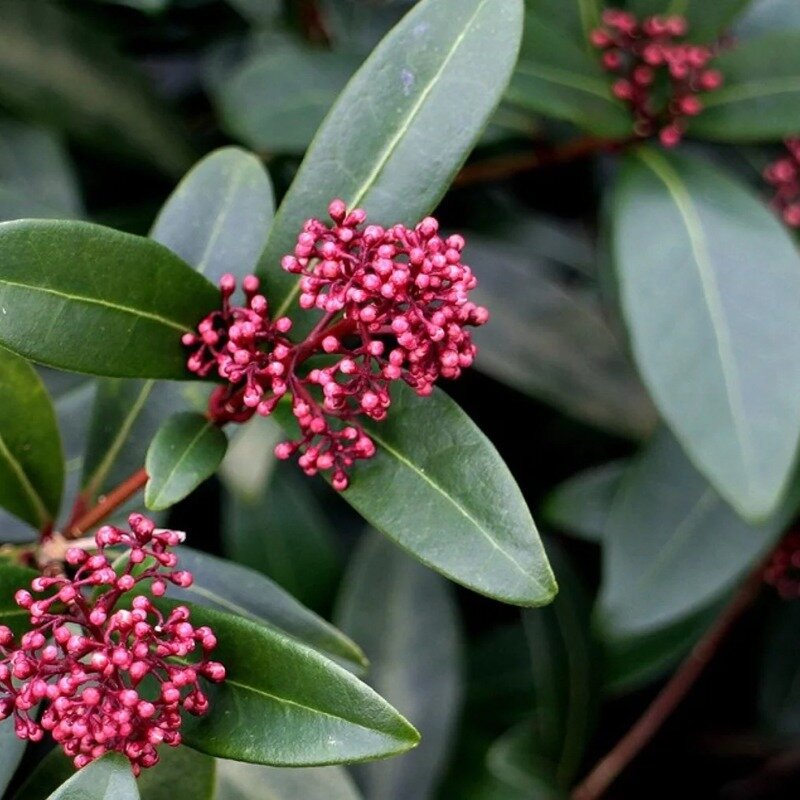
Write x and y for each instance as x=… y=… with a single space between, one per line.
x=608 y=769
x=109 y=503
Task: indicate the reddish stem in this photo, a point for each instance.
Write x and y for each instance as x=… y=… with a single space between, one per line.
x=108 y=504
x=610 y=766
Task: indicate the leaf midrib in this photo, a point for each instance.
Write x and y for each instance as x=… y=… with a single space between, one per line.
x=395 y=141
x=187 y=450
x=39 y=506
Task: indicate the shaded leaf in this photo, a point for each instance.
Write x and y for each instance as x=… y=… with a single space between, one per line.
x=230 y=587
x=779 y=686
x=284 y=704
x=672 y=545
x=217 y=218
x=416 y=107
x=726 y=378
x=11 y=750
x=237 y=781
x=405 y=618
x=575 y=17
x=759 y=100
x=185 y=452
x=131 y=315
x=180 y=771
x=31 y=458
x=108 y=778
x=454 y=505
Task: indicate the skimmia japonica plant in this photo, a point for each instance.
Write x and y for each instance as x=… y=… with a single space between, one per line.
x=610 y=285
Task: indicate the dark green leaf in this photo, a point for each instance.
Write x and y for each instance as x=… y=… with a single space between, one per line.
x=581 y=505
x=237 y=781
x=672 y=545
x=149 y=6
x=182 y=772
x=185 y=452
x=564 y=658
x=283 y=704
x=56 y=69
x=13 y=577
x=275 y=101
x=404 y=125
x=453 y=503
x=576 y=17
x=217 y=218
x=108 y=778
x=126 y=321
x=31 y=458
x=726 y=378
x=230 y=587
x=257 y=12
x=779 y=689
x=707 y=20
x=760 y=99
x=11 y=751
x=557 y=77
x=550 y=338
x=405 y=618
x=45 y=778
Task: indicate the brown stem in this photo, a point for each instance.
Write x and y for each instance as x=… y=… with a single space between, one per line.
x=110 y=503
x=508 y=166
x=610 y=766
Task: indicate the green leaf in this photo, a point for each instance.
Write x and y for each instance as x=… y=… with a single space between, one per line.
x=275 y=101
x=36 y=176
x=765 y=16
x=45 y=778
x=31 y=458
x=549 y=336
x=218 y=216
x=108 y=778
x=405 y=618
x=147 y=6
x=448 y=486
x=258 y=12
x=726 y=378
x=180 y=771
x=59 y=71
x=131 y=314
x=11 y=751
x=672 y=545
x=284 y=704
x=13 y=577
x=566 y=681
x=707 y=20
x=230 y=587
x=779 y=685
x=582 y=504
x=557 y=77
x=576 y=17
x=237 y=781
x=185 y=452
x=760 y=98
x=404 y=125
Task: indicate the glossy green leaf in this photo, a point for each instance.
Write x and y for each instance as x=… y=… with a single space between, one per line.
x=581 y=505
x=566 y=682
x=11 y=751
x=31 y=458
x=185 y=452
x=765 y=16
x=284 y=704
x=108 y=778
x=131 y=314
x=415 y=108
x=217 y=218
x=454 y=505
x=575 y=17
x=727 y=377
x=405 y=618
x=36 y=176
x=237 y=781
x=779 y=685
x=759 y=100
x=672 y=545
x=707 y=20
x=275 y=101
x=230 y=587
x=58 y=70
x=549 y=336
x=557 y=77
x=182 y=772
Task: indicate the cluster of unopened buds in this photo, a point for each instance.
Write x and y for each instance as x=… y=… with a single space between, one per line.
x=783 y=569
x=660 y=75
x=784 y=175
x=394 y=305
x=112 y=672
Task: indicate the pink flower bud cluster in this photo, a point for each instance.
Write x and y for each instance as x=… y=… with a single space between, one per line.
x=395 y=304
x=784 y=175
x=783 y=569
x=660 y=76
x=104 y=674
